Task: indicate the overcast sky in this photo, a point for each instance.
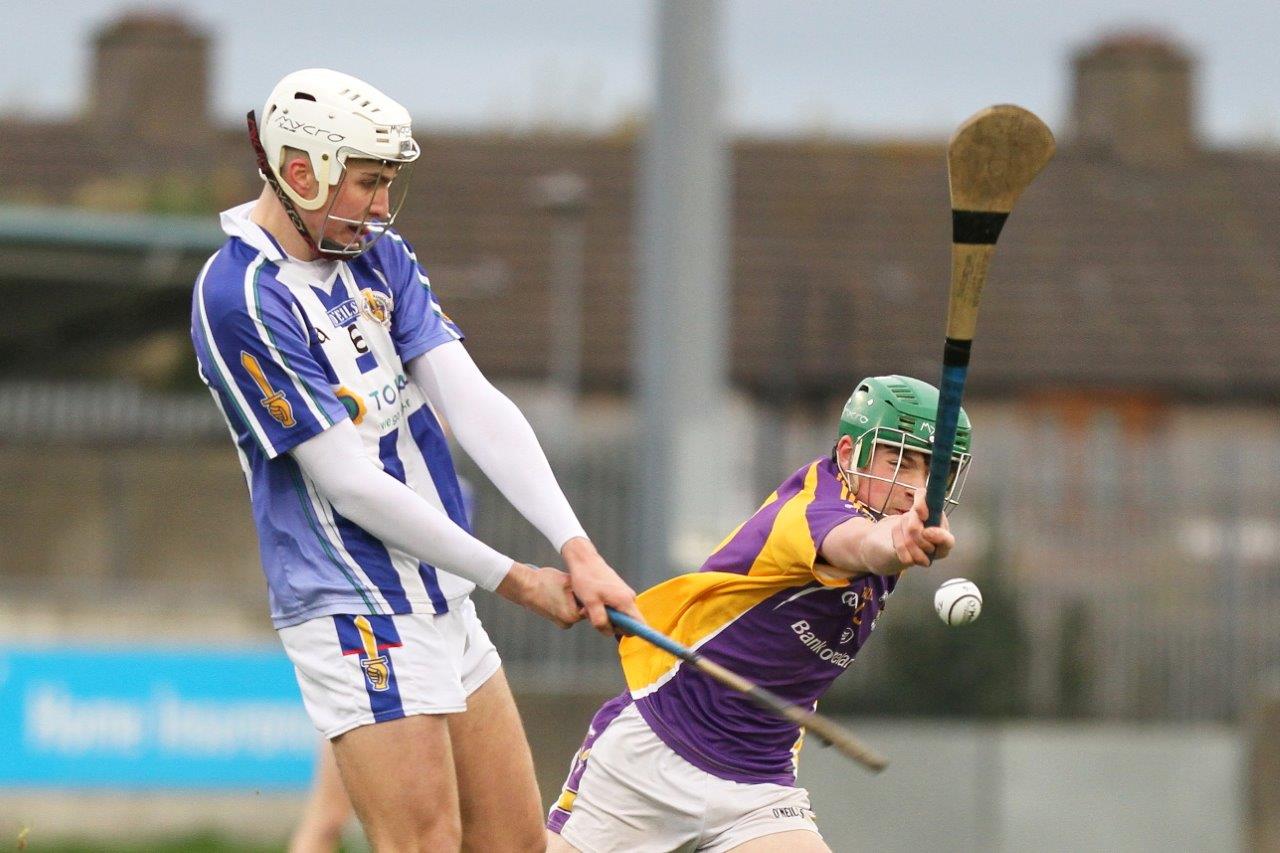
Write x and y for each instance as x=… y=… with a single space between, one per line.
x=857 y=68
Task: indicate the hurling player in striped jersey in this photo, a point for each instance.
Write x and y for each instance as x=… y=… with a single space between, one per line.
x=680 y=762
x=326 y=350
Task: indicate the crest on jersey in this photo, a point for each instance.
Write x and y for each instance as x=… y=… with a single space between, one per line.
x=377 y=306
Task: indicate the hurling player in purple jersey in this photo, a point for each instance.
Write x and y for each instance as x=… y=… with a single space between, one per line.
x=330 y=357
x=680 y=762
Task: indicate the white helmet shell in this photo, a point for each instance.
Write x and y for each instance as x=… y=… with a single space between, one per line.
x=332 y=116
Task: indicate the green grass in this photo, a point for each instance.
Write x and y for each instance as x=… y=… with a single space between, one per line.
x=199 y=843
x=196 y=842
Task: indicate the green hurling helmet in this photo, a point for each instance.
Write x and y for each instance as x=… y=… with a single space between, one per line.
x=901 y=412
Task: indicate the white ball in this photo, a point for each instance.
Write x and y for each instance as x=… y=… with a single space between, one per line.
x=958 y=601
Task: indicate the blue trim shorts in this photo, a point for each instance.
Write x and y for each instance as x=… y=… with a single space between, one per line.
x=355 y=670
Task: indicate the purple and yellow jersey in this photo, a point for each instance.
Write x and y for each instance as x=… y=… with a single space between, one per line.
x=758 y=607
x=289 y=348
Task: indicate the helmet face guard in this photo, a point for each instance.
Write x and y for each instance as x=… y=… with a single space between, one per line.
x=364 y=231
x=863 y=453
x=899 y=412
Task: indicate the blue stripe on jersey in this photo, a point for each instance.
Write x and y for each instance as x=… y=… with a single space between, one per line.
x=308 y=512
x=391 y=463
x=385 y=704
x=232 y=321
x=389 y=457
x=427 y=434
x=213 y=375
x=371 y=555
x=343 y=312
x=253 y=300
x=299 y=380
x=431 y=581
x=208 y=370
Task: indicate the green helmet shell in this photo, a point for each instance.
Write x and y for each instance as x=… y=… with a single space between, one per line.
x=900 y=410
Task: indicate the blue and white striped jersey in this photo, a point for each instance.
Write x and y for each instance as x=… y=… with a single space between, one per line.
x=288 y=348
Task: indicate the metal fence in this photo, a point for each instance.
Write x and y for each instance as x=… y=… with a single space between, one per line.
x=1144 y=564
x=1141 y=565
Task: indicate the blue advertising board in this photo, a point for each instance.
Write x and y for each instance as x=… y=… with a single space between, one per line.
x=131 y=717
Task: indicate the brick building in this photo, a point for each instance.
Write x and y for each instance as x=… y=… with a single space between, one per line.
x=1130 y=313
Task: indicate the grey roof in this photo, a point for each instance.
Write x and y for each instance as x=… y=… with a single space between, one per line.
x=1107 y=275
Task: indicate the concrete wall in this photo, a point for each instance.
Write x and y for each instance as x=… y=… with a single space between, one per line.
x=1041 y=787
x=950 y=786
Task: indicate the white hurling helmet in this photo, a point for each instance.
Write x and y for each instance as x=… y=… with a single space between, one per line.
x=333 y=117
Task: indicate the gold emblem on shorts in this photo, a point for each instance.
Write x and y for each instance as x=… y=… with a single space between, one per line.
x=375 y=669
x=374 y=665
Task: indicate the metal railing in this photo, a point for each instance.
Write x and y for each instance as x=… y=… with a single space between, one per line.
x=1142 y=568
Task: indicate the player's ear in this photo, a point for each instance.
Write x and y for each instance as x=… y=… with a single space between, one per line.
x=298 y=174
x=844 y=453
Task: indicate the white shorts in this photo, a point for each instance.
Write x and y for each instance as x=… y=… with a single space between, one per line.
x=627 y=792
x=357 y=670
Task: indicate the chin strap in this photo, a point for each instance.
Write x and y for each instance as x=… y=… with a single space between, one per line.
x=269 y=175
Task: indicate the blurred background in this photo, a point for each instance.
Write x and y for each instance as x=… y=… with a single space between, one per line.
x=677 y=233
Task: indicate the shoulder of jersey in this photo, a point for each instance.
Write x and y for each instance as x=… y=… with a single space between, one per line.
x=224 y=281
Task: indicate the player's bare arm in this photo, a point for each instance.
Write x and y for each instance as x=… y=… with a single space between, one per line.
x=596 y=584
x=545 y=591
x=861 y=546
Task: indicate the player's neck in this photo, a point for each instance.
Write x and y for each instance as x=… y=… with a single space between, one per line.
x=270 y=215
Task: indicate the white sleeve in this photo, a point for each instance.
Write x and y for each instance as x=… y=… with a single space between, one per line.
x=358 y=489
x=498 y=437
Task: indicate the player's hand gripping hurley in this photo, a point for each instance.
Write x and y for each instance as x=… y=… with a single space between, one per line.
x=824 y=728
x=991 y=159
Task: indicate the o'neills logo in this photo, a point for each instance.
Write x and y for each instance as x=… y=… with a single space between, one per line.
x=344 y=314
x=819 y=646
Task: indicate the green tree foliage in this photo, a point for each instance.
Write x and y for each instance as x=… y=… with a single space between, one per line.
x=923 y=667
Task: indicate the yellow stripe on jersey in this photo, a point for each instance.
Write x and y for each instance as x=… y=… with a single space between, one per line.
x=790 y=549
x=690 y=608
x=738 y=576
x=773 y=497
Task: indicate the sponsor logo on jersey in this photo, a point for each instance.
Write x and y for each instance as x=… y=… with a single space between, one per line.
x=352 y=403
x=819 y=646
x=377 y=306
x=272 y=400
x=858 y=601
x=346 y=313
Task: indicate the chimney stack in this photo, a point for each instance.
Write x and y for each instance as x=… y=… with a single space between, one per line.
x=1133 y=100
x=151 y=80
